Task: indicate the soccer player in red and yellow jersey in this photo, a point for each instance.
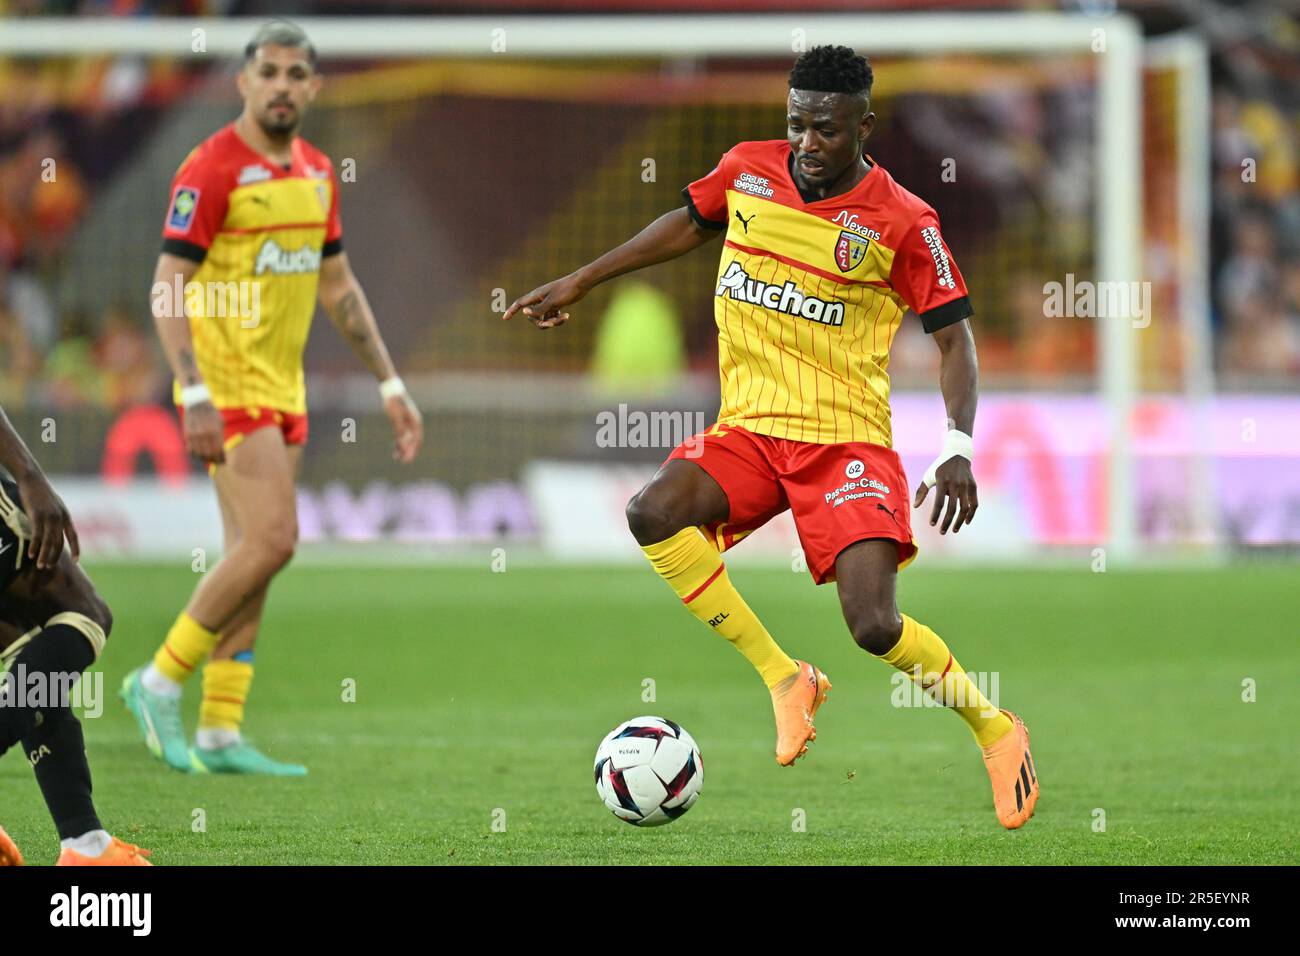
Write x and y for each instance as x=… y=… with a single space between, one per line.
x=823 y=255
x=252 y=241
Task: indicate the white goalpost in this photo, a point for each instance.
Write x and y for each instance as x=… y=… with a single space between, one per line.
x=1115 y=41
x=1188 y=55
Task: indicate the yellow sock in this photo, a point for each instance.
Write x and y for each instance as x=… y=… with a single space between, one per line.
x=922 y=653
x=187 y=643
x=225 y=689
x=694 y=569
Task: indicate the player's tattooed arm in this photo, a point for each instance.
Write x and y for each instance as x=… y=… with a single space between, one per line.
x=955 y=492
x=189 y=370
x=46 y=513
x=350 y=316
x=671 y=235
x=345 y=303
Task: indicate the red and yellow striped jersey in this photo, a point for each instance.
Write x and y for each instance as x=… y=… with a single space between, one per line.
x=810 y=294
x=260 y=231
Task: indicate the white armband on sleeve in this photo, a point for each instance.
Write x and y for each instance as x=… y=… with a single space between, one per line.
x=955 y=445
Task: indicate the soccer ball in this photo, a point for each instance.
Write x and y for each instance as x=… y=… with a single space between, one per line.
x=649 y=771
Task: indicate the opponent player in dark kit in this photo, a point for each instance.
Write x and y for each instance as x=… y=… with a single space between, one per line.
x=53 y=626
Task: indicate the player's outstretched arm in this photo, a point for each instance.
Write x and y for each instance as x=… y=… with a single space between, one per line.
x=344 y=301
x=671 y=235
x=204 y=431
x=950 y=474
x=45 y=510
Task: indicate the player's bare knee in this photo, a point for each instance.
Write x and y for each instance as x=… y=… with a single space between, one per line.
x=282 y=549
x=272 y=548
x=650 y=517
x=101 y=614
x=876 y=631
x=85 y=601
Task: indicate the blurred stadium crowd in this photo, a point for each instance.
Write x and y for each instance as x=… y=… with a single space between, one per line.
x=81 y=117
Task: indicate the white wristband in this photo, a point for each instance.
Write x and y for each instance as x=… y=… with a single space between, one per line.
x=391 y=388
x=192 y=395
x=955 y=445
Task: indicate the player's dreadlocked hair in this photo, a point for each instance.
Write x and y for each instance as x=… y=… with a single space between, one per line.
x=832 y=69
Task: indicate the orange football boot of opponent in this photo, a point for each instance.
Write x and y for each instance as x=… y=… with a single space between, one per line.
x=795 y=701
x=9 y=855
x=117 y=854
x=1011 y=770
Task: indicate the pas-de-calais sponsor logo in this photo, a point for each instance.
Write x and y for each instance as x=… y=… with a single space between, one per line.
x=854 y=469
x=787 y=298
x=850 y=250
x=856 y=488
x=74 y=908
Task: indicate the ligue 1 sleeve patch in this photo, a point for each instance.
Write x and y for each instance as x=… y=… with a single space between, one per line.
x=184 y=202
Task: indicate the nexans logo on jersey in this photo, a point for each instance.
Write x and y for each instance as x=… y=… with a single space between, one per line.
x=810 y=294
x=787 y=297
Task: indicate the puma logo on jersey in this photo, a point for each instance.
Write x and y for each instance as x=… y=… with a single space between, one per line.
x=745 y=222
x=271 y=258
x=788 y=297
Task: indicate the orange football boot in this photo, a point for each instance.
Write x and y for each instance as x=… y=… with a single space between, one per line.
x=117 y=854
x=1011 y=770
x=9 y=855
x=795 y=700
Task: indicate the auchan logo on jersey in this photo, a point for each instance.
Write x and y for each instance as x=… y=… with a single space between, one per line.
x=787 y=298
x=279 y=261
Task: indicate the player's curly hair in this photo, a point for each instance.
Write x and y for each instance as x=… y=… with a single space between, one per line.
x=832 y=69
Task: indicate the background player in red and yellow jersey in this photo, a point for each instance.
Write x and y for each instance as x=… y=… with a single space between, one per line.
x=251 y=241
x=824 y=253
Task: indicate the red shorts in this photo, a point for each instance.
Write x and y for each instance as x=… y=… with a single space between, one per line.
x=838 y=494
x=246 y=420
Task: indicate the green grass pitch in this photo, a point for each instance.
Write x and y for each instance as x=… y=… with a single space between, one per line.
x=481 y=697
